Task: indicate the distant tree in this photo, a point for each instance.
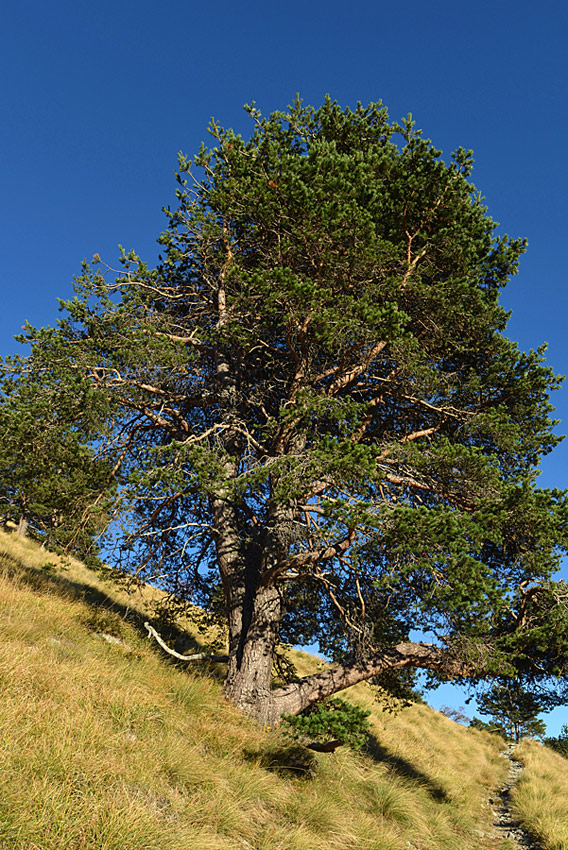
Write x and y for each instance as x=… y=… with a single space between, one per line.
x=488 y=726
x=326 y=434
x=51 y=480
x=513 y=710
x=458 y=715
x=559 y=744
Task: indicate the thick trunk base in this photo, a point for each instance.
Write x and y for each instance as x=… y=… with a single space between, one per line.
x=253 y=639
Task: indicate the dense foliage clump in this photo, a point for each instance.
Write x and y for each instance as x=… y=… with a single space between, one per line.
x=333 y=721
x=53 y=483
x=560 y=743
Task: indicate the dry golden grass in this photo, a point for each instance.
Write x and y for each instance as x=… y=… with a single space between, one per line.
x=541 y=796
x=110 y=745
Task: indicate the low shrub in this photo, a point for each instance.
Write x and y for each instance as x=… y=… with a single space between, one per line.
x=331 y=722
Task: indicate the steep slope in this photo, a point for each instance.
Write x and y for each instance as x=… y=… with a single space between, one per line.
x=105 y=743
x=540 y=799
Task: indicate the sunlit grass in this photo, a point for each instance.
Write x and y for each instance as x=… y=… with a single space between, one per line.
x=541 y=796
x=111 y=745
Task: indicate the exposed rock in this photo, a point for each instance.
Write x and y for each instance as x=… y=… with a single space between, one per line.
x=113 y=640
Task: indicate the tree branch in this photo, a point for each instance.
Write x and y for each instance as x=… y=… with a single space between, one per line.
x=304 y=559
x=348 y=377
x=299 y=695
x=196 y=656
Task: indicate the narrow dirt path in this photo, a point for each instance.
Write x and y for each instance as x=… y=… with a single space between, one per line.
x=506 y=824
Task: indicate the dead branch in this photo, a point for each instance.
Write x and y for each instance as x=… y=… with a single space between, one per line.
x=196 y=656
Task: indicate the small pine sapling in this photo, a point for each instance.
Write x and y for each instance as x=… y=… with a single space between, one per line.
x=330 y=724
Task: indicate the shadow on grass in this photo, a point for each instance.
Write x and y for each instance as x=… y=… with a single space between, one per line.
x=294 y=760
x=291 y=760
x=106 y=612
x=404 y=768
x=285 y=759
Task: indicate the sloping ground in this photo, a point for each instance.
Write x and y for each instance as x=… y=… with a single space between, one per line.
x=507 y=823
x=104 y=743
x=540 y=798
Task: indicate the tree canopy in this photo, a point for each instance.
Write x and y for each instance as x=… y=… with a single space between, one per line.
x=323 y=432
x=51 y=479
x=513 y=710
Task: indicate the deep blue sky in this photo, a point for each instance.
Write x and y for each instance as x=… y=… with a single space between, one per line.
x=99 y=98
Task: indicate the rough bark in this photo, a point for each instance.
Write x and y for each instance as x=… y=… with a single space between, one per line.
x=254 y=612
x=297 y=696
x=249 y=674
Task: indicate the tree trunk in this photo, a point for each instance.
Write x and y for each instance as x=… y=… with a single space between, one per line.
x=248 y=682
x=22 y=527
x=253 y=615
x=251 y=654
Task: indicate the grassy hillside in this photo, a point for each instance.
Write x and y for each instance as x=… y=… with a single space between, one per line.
x=105 y=743
x=541 y=796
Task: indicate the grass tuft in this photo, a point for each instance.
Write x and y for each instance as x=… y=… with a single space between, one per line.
x=541 y=795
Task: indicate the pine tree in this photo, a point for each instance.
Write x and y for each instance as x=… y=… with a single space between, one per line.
x=53 y=481
x=513 y=710
x=560 y=743
x=325 y=433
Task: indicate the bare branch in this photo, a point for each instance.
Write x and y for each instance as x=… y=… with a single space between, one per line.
x=306 y=559
x=426 y=432
x=196 y=656
x=354 y=373
x=412 y=263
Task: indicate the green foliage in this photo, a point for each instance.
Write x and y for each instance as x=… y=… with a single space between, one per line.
x=514 y=711
x=488 y=726
x=50 y=476
x=332 y=719
x=560 y=743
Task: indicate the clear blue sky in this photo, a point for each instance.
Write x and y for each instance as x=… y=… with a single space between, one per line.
x=99 y=98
